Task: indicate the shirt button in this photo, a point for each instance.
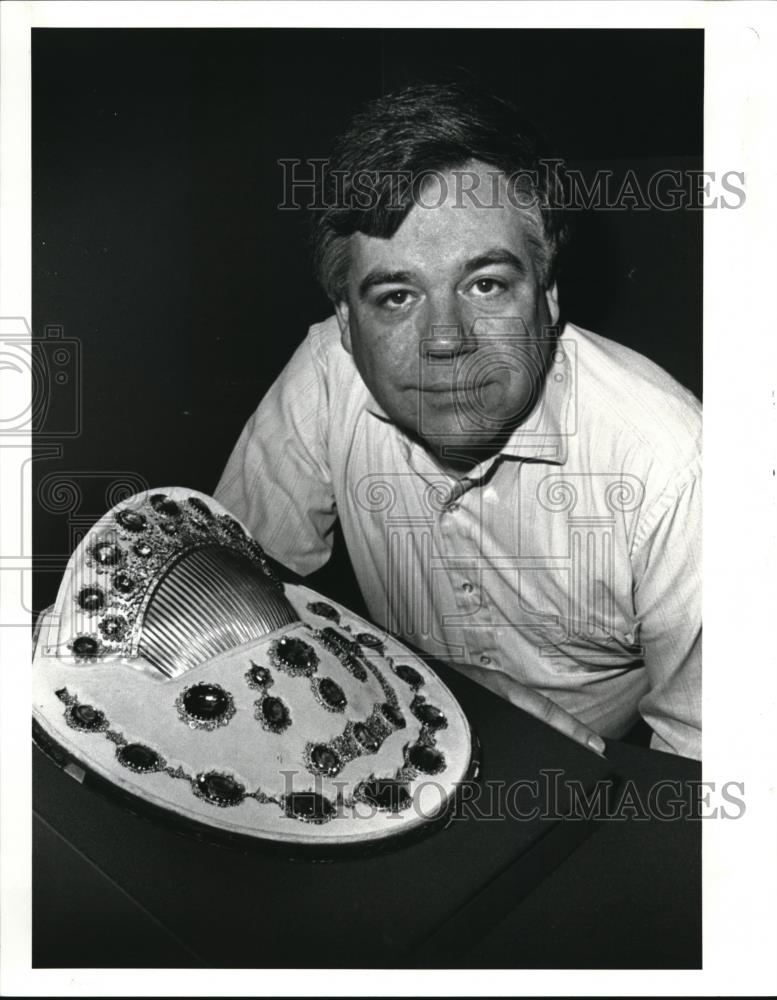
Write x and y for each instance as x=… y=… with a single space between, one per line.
x=485 y=660
x=467 y=587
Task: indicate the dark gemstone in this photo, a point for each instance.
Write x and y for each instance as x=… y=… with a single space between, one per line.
x=142 y=549
x=409 y=675
x=206 y=702
x=393 y=715
x=85 y=645
x=131 y=520
x=332 y=693
x=164 y=505
x=87 y=717
x=429 y=714
x=310 y=807
x=260 y=675
x=275 y=713
x=123 y=582
x=91 y=599
x=366 y=737
x=200 y=506
x=296 y=655
x=426 y=759
x=324 y=760
x=221 y=789
x=169 y=528
x=114 y=627
x=324 y=610
x=385 y=793
x=107 y=553
x=138 y=757
x=370 y=640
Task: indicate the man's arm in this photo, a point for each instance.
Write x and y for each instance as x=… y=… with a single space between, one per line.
x=667 y=563
x=277 y=480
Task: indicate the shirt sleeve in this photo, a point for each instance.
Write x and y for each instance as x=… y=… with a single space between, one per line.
x=277 y=480
x=667 y=599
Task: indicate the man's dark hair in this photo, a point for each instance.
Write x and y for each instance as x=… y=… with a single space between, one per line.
x=397 y=142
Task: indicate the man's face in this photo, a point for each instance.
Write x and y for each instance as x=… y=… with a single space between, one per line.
x=445 y=319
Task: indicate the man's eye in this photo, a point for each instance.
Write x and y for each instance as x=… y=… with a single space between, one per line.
x=393 y=300
x=488 y=286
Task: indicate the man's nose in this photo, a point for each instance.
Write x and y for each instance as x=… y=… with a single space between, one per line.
x=447 y=334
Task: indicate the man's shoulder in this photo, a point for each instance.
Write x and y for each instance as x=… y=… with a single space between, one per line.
x=625 y=394
x=325 y=344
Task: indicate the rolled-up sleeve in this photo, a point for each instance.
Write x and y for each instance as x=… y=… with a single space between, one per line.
x=667 y=596
x=277 y=480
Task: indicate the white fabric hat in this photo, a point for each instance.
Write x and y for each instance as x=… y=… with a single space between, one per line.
x=176 y=666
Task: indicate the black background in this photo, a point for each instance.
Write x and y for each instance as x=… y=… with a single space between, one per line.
x=159 y=249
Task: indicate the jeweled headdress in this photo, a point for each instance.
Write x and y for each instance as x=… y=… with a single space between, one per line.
x=176 y=666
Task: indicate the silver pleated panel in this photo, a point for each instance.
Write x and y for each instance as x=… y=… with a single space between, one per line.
x=210 y=601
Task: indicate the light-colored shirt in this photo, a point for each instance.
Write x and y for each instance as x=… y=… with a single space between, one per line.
x=569 y=562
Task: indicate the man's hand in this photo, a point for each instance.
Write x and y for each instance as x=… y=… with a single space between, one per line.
x=543 y=708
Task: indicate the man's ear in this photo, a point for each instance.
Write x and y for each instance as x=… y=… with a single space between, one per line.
x=343 y=321
x=551 y=297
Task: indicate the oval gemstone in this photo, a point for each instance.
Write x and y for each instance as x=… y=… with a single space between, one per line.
x=310 y=807
x=430 y=715
x=385 y=793
x=324 y=610
x=295 y=655
x=91 y=599
x=206 y=702
x=106 y=553
x=131 y=520
x=324 y=760
x=164 y=505
x=409 y=675
x=142 y=549
x=169 y=528
x=87 y=717
x=138 y=757
x=124 y=583
x=393 y=716
x=370 y=641
x=221 y=789
x=85 y=645
x=426 y=759
x=368 y=740
x=331 y=693
x=275 y=713
x=200 y=506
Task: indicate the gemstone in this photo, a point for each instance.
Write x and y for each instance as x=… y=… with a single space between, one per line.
x=114 y=628
x=385 y=793
x=138 y=757
x=206 y=702
x=428 y=714
x=200 y=506
x=91 y=598
x=106 y=553
x=324 y=610
x=123 y=582
x=331 y=693
x=366 y=737
x=131 y=520
x=142 y=549
x=275 y=714
x=393 y=715
x=86 y=717
x=294 y=655
x=370 y=640
x=85 y=645
x=220 y=789
x=426 y=759
x=260 y=675
x=309 y=807
x=324 y=760
x=164 y=505
x=409 y=675
x=169 y=528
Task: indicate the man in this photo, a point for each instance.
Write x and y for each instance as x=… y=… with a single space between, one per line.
x=519 y=499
